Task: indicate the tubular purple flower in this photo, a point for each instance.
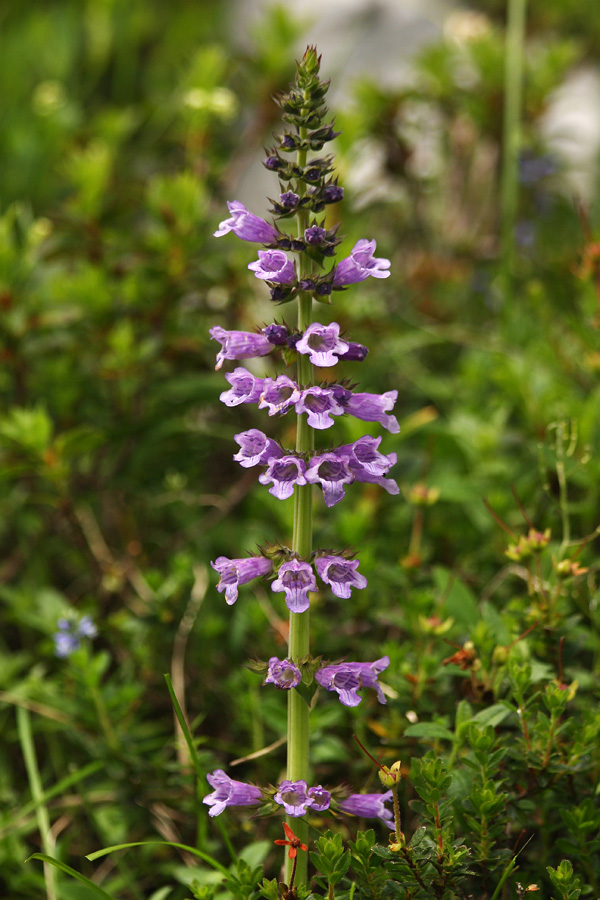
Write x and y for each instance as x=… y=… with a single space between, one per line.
x=283 y=674
x=360 y=265
x=234 y=572
x=320 y=797
x=273 y=265
x=293 y=797
x=355 y=352
x=319 y=404
x=285 y=473
x=314 y=235
x=348 y=678
x=374 y=408
x=322 y=343
x=363 y=454
x=229 y=793
x=246 y=225
x=239 y=344
x=332 y=472
x=369 y=806
x=340 y=574
x=245 y=387
x=256 y=449
x=296 y=578
x=279 y=394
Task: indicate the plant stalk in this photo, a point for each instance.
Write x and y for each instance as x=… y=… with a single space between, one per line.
x=511 y=141
x=299 y=635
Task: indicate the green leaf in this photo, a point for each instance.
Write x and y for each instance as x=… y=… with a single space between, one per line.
x=459 y=600
x=430 y=731
x=74 y=874
x=209 y=859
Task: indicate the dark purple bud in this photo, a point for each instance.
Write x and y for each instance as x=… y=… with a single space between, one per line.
x=312 y=175
x=314 y=235
x=288 y=142
x=329 y=251
x=273 y=163
x=284 y=243
x=280 y=293
x=341 y=394
x=276 y=334
x=307 y=284
x=332 y=193
x=324 y=289
x=298 y=246
x=356 y=352
x=293 y=340
x=289 y=200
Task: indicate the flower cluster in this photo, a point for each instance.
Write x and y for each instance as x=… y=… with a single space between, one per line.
x=302 y=266
x=295 y=577
x=68 y=637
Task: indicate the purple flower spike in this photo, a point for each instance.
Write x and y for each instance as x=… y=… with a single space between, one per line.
x=340 y=574
x=369 y=806
x=234 y=572
x=256 y=449
x=293 y=797
x=239 y=344
x=245 y=388
x=322 y=343
x=360 y=264
x=374 y=408
x=348 y=678
x=284 y=473
x=229 y=793
x=279 y=395
x=296 y=578
x=332 y=472
x=273 y=265
x=246 y=226
x=320 y=797
x=320 y=404
x=283 y=674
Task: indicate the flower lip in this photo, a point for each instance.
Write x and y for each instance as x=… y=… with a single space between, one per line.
x=360 y=265
x=322 y=343
x=273 y=266
x=297 y=579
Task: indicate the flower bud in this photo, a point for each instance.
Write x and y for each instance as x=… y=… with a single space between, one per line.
x=390 y=775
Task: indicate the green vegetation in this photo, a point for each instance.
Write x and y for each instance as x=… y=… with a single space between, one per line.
x=125 y=128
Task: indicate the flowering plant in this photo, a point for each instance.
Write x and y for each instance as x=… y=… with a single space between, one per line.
x=307 y=188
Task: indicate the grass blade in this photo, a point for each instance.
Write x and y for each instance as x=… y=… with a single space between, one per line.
x=72 y=872
x=204 y=856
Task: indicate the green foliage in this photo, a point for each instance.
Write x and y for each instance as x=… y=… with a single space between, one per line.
x=120 y=139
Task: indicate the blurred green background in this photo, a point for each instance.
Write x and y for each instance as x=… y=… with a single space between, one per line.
x=125 y=127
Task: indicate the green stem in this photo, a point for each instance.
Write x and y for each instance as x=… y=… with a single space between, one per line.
x=513 y=93
x=299 y=634
x=37 y=795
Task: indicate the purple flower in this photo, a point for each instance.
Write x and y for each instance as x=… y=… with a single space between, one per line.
x=332 y=193
x=332 y=472
x=278 y=395
x=355 y=352
x=229 y=793
x=68 y=637
x=293 y=797
x=289 y=200
x=374 y=408
x=276 y=334
x=246 y=226
x=239 y=344
x=340 y=574
x=296 y=578
x=256 y=449
x=368 y=465
x=322 y=343
x=273 y=265
x=283 y=674
x=245 y=388
x=314 y=235
x=360 y=264
x=320 y=404
x=348 y=678
x=284 y=473
x=369 y=806
x=234 y=572
x=320 y=797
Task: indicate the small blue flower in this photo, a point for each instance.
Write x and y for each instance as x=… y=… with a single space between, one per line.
x=68 y=637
